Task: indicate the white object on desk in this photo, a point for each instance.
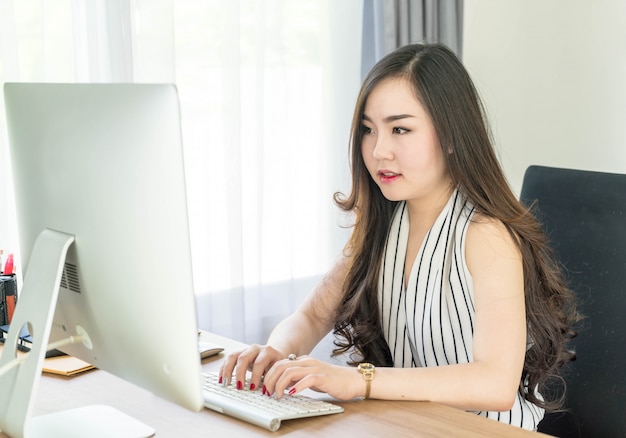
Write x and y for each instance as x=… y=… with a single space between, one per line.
x=208 y=349
x=101 y=421
x=35 y=310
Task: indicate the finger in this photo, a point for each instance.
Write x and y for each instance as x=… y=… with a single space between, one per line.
x=287 y=375
x=273 y=373
x=290 y=378
x=307 y=382
x=245 y=361
x=263 y=362
x=293 y=373
x=279 y=368
x=226 y=370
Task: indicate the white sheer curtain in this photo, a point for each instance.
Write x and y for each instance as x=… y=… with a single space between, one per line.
x=267 y=91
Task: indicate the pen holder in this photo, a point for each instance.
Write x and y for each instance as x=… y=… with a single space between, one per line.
x=8 y=298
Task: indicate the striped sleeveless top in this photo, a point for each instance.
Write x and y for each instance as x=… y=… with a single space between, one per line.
x=431 y=322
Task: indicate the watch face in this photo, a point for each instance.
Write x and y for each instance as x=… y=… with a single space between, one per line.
x=366 y=367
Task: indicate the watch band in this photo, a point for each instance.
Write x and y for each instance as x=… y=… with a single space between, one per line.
x=367 y=370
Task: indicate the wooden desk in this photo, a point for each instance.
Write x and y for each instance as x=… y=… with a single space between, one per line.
x=371 y=418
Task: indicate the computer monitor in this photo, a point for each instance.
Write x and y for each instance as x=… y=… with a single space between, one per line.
x=103 y=164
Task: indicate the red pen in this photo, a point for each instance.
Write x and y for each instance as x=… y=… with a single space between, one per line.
x=8 y=266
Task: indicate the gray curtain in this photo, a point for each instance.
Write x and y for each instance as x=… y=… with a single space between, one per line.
x=389 y=24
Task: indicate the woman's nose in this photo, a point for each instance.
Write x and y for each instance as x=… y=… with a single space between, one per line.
x=382 y=149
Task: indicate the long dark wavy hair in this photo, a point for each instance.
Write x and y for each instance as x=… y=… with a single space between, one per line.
x=443 y=87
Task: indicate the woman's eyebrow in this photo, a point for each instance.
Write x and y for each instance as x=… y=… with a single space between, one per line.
x=389 y=119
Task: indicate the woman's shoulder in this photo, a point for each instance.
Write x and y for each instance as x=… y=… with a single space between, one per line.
x=481 y=221
x=487 y=227
x=488 y=238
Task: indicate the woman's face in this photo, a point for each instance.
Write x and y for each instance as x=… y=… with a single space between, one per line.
x=400 y=147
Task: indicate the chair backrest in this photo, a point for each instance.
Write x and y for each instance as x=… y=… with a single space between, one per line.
x=584 y=216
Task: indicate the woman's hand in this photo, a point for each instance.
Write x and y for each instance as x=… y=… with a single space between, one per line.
x=340 y=382
x=257 y=359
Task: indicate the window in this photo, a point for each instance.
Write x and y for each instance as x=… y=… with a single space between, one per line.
x=267 y=90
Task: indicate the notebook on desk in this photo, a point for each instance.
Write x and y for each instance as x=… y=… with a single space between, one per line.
x=61 y=365
x=65 y=366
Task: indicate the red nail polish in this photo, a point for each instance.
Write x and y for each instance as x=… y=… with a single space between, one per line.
x=219 y=380
x=239 y=384
x=292 y=391
x=252 y=387
x=264 y=389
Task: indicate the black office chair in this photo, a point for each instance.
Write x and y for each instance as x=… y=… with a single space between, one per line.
x=584 y=215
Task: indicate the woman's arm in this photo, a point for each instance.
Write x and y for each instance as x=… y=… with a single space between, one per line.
x=299 y=333
x=490 y=382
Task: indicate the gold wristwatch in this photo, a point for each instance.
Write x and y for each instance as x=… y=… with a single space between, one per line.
x=367 y=369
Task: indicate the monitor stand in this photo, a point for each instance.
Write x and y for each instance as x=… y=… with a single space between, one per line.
x=35 y=310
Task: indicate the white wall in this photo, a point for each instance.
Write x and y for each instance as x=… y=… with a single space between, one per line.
x=552 y=74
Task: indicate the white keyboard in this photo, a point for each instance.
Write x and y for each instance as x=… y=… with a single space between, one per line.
x=259 y=409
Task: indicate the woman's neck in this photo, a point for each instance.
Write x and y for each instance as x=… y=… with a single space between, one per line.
x=424 y=211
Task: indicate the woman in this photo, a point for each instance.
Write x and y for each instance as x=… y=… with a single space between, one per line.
x=446 y=290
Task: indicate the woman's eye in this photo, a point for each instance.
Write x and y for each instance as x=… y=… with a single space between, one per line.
x=366 y=130
x=400 y=131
